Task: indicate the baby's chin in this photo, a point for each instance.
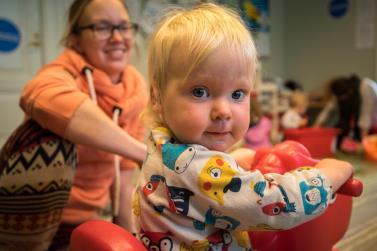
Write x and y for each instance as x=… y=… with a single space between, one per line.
x=218 y=146
x=211 y=144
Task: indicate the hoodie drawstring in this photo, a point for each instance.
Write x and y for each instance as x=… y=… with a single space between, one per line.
x=92 y=90
x=116 y=187
x=116 y=114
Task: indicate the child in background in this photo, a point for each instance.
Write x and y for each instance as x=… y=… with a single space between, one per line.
x=295 y=117
x=191 y=195
x=259 y=133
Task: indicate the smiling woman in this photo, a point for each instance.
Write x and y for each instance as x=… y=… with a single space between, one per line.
x=104 y=35
x=91 y=97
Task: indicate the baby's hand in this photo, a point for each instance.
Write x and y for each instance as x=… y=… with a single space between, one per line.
x=340 y=175
x=351 y=186
x=290 y=155
x=244 y=157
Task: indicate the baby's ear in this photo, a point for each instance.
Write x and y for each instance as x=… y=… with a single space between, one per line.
x=156 y=100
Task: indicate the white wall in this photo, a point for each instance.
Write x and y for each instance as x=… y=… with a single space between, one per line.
x=310 y=46
x=274 y=65
x=307 y=44
x=19 y=65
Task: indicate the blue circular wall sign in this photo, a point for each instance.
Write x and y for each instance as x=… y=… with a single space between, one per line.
x=10 y=36
x=338 y=8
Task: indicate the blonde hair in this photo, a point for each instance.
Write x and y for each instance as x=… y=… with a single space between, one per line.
x=74 y=14
x=256 y=112
x=196 y=32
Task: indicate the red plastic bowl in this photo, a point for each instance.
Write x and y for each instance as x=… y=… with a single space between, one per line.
x=319 y=141
x=320 y=234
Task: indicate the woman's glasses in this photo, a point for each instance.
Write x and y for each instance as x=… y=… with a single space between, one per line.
x=106 y=30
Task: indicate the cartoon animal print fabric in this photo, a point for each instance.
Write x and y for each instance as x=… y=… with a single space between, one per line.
x=36 y=173
x=191 y=198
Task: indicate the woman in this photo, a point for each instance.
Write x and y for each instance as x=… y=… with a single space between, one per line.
x=356 y=102
x=75 y=97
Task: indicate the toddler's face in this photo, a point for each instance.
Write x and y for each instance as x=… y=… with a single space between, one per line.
x=210 y=107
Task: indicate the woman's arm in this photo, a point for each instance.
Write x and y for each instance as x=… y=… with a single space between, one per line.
x=91 y=127
x=323 y=116
x=53 y=99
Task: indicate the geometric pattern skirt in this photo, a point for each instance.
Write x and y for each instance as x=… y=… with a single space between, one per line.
x=36 y=175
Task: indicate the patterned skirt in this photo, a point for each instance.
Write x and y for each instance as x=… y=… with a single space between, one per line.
x=36 y=174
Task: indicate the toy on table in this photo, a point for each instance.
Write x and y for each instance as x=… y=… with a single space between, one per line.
x=321 y=233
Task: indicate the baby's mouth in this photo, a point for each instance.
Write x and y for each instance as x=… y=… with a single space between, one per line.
x=218 y=133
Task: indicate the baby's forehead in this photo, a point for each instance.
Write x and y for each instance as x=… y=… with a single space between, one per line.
x=183 y=62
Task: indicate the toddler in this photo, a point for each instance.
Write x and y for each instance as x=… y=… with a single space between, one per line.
x=295 y=117
x=191 y=195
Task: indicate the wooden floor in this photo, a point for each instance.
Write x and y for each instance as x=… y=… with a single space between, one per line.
x=362 y=232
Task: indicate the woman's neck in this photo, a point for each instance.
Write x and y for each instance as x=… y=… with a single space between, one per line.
x=116 y=79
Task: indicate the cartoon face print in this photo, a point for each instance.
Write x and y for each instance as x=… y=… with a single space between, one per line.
x=153 y=184
x=220 y=237
x=218 y=220
x=276 y=207
x=313 y=195
x=217 y=177
x=157 y=241
x=157 y=185
x=177 y=157
x=259 y=188
x=180 y=197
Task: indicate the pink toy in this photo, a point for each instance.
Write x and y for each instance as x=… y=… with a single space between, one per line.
x=321 y=233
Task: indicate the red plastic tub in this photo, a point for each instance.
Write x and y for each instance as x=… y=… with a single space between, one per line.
x=319 y=141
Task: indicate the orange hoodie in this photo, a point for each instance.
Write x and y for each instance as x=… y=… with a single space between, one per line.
x=53 y=96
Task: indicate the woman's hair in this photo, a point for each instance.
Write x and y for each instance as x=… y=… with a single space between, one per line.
x=74 y=14
x=346 y=91
x=195 y=33
x=341 y=85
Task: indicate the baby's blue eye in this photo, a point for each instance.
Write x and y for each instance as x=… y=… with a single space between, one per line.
x=200 y=92
x=238 y=95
